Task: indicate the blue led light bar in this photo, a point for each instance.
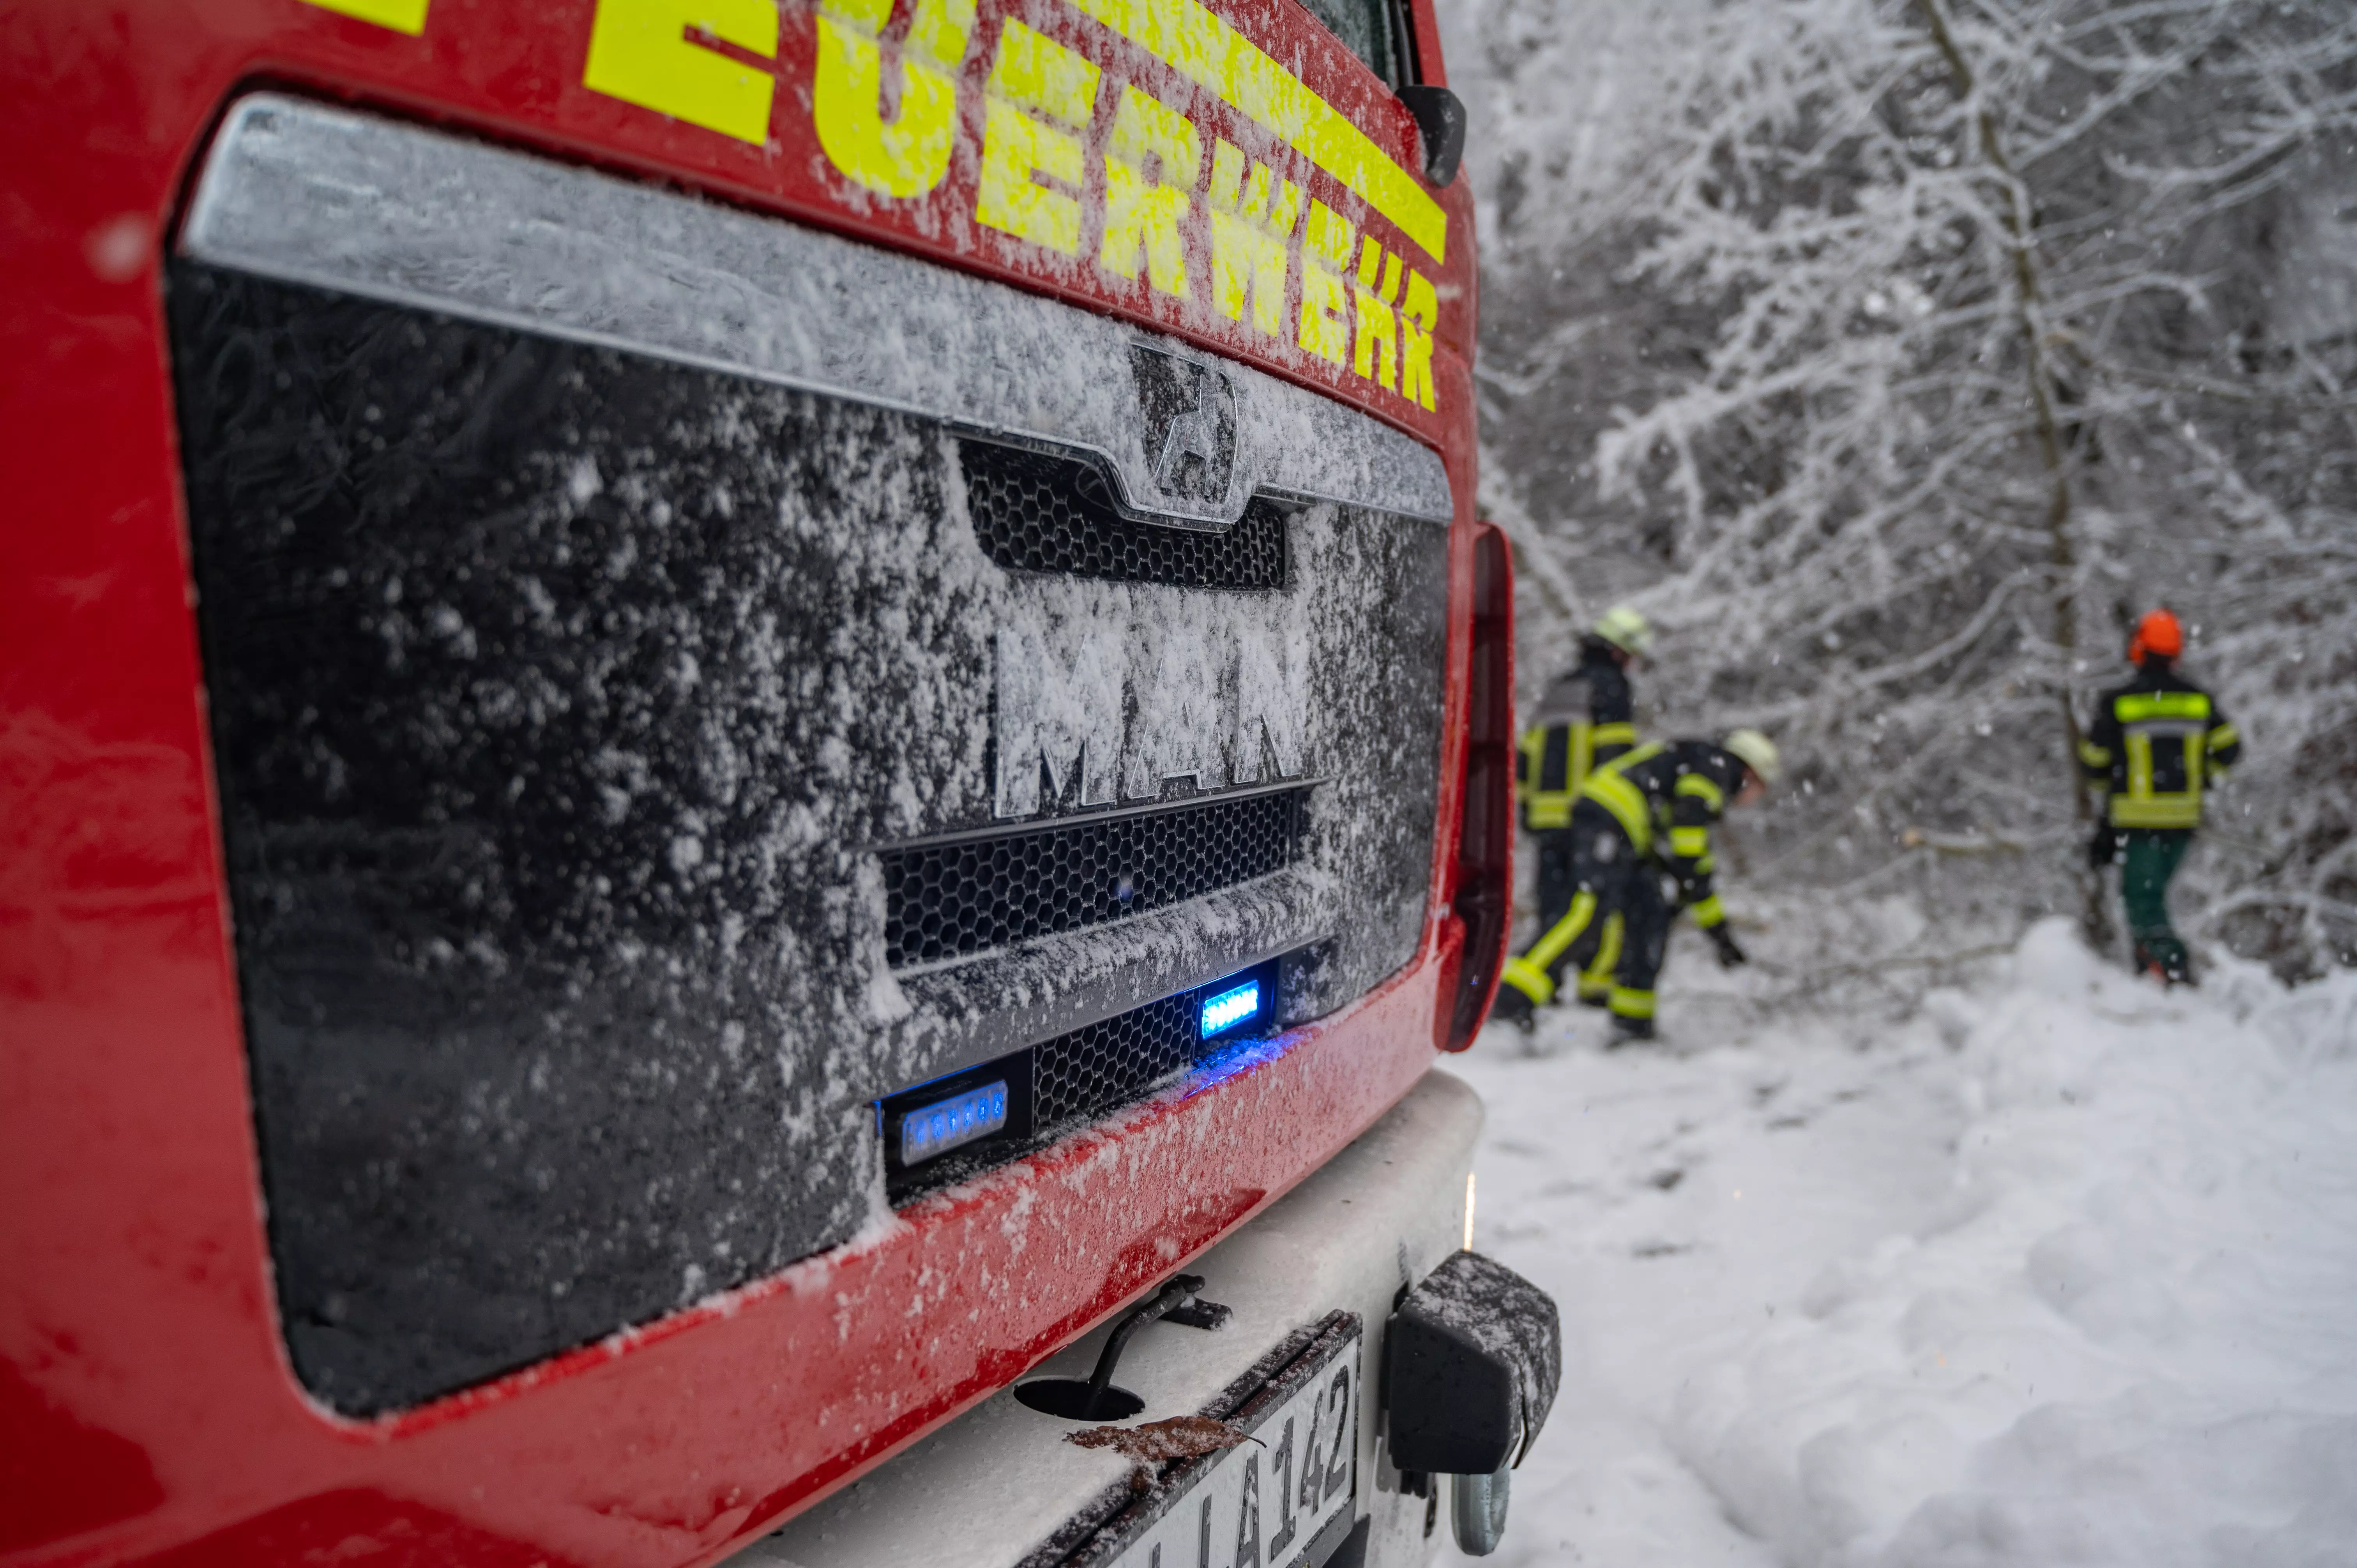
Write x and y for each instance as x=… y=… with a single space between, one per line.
x=1229 y=1008
x=945 y=1124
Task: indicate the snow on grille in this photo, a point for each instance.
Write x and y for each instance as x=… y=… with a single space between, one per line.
x=1108 y=1064
x=1034 y=512
x=969 y=894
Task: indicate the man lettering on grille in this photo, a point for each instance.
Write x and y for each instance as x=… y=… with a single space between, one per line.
x=2157 y=743
x=1645 y=813
x=1586 y=717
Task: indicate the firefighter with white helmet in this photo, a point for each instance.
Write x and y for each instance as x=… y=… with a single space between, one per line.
x=1647 y=811
x=1586 y=718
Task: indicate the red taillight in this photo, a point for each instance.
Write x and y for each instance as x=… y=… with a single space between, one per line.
x=1483 y=903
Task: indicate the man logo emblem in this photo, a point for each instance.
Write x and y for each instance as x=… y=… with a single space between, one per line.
x=1190 y=424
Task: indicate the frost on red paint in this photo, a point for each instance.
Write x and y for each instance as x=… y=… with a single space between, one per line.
x=611 y=622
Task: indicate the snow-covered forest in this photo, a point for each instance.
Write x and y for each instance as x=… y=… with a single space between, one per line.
x=1893 y=355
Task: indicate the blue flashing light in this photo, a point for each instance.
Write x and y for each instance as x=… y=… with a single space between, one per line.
x=1229 y=1008
x=945 y=1124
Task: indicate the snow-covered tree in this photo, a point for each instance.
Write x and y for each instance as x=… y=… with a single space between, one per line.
x=1947 y=335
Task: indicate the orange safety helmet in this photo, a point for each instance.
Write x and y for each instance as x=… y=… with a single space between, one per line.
x=2157 y=634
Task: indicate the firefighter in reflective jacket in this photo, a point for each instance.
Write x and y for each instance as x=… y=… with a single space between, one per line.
x=1585 y=719
x=1645 y=812
x=2155 y=744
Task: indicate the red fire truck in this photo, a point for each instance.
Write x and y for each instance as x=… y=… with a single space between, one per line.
x=749 y=753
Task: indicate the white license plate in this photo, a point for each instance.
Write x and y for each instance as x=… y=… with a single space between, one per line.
x=1264 y=1504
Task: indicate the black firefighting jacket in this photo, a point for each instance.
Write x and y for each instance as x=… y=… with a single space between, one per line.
x=2155 y=743
x=1666 y=795
x=1583 y=720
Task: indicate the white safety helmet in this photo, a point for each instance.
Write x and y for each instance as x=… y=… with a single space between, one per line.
x=1626 y=629
x=1759 y=753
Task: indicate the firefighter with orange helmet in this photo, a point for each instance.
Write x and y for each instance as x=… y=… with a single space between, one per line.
x=2156 y=745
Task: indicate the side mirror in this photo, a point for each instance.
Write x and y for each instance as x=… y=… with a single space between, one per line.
x=1440 y=121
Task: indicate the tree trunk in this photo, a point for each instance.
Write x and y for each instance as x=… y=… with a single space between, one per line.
x=2017 y=213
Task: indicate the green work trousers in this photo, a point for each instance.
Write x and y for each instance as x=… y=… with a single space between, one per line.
x=2148 y=858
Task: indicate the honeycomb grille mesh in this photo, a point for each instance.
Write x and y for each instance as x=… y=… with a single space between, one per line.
x=1038 y=513
x=969 y=894
x=1094 y=1069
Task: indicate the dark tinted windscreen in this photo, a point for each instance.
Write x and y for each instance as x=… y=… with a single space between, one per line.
x=497 y=634
x=1369 y=27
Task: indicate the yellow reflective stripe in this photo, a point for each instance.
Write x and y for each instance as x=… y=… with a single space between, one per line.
x=1532 y=983
x=1689 y=844
x=2138 y=705
x=2140 y=806
x=1708 y=913
x=2156 y=811
x=1549 y=948
x=2223 y=736
x=401 y=16
x=1609 y=789
x=1703 y=789
x=2139 y=765
x=1628 y=1003
x=1616 y=735
x=1544 y=808
x=1200 y=46
x=1596 y=980
x=2094 y=756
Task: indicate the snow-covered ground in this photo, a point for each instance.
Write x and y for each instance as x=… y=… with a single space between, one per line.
x=2058 y=1269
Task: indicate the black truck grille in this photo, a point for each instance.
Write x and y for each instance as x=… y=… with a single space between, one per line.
x=1034 y=512
x=970 y=893
x=1092 y=1069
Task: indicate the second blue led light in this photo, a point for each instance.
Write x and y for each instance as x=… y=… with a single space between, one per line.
x=1232 y=1007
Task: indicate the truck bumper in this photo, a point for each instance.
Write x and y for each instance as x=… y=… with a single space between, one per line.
x=1001 y=1486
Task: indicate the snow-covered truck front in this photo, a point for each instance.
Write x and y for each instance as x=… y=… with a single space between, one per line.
x=748 y=754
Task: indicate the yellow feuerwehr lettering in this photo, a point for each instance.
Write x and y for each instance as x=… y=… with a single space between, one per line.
x=1251 y=230
x=1034 y=75
x=1325 y=301
x=638 y=52
x=1196 y=44
x=908 y=155
x=1142 y=213
x=401 y=16
x=1420 y=319
x=1376 y=354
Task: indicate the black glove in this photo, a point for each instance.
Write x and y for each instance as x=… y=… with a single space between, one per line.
x=2101 y=848
x=1730 y=951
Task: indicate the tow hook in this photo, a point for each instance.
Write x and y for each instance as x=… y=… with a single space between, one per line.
x=1472 y=1356
x=1097 y=1399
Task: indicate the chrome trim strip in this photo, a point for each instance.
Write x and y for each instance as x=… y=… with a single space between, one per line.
x=306 y=193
